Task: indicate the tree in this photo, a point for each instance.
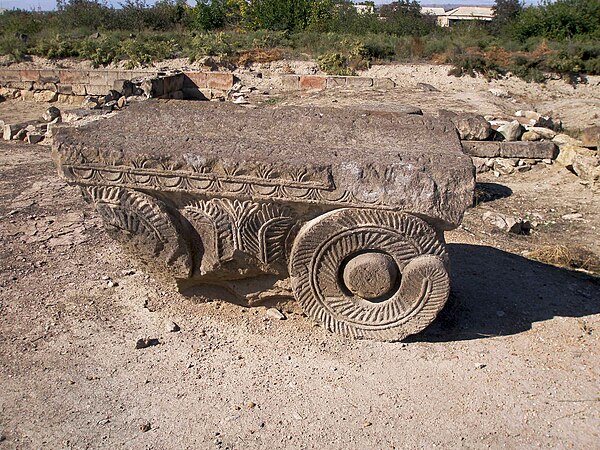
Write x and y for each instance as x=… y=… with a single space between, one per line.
x=505 y=13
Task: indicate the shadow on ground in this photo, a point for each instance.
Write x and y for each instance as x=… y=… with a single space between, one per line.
x=496 y=293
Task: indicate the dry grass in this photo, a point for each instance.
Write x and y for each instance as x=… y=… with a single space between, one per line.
x=570 y=257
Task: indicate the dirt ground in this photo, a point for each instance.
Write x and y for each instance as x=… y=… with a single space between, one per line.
x=512 y=361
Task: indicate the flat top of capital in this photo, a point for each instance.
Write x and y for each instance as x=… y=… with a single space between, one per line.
x=284 y=135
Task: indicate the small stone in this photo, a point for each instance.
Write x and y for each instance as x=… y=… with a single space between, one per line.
x=34 y=138
x=51 y=113
x=425 y=87
x=146 y=426
x=499 y=93
x=173 y=327
x=524 y=168
x=2 y=437
x=544 y=133
x=103 y=421
x=145 y=343
x=111 y=283
x=90 y=103
x=250 y=405
x=573 y=216
x=511 y=131
x=530 y=136
x=122 y=102
x=500 y=313
x=480 y=365
x=275 y=314
x=367 y=424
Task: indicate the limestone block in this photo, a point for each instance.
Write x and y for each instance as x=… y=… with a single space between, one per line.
x=290 y=82
x=383 y=83
x=590 y=137
x=194 y=80
x=359 y=82
x=45 y=96
x=482 y=149
x=511 y=131
x=535 y=150
x=310 y=82
x=584 y=162
x=219 y=80
x=336 y=82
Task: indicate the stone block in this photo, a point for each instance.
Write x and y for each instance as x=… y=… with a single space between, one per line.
x=173 y=83
x=590 y=137
x=27 y=95
x=101 y=89
x=29 y=75
x=7 y=75
x=290 y=82
x=312 y=82
x=21 y=85
x=196 y=94
x=471 y=127
x=482 y=149
x=65 y=89
x=45 y=96
x=333 y=82
x=98 y=78
x=359 y=82
x=153 y=87
x=80 y=89
x=219 y=80
x=48 y=76
x=194 y=80
x=10 y=130
x=534 y=150
x=74 y=76
x=383 y=83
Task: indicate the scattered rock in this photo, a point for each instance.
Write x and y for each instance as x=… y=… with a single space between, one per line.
x=121 y=102
x=504 y=166
x=548 y=122
x=530 y=136
x=561 y=139
x=472 y=127
x=511 y=131
x=90 y=103
x=34 y=138
x=145 y=343
x=250 y=405
x=585 y=163
x=480 y=164
x=275 y=314
x=173 y=327
x=367 y=424
x=590 y=137
x=545 y=133
x=45 y=96
x=124 y=87
x=11 y=130
x=146 y=426
x=573 y=216
x=111 y=283
x=508 y=223
x=499 y=93
x=480 y=365
x=51 y=113
x=425 y=87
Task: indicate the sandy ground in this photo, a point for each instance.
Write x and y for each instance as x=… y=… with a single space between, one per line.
x=512 y=361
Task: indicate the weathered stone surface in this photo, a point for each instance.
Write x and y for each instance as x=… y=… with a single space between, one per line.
x=45 y=96
x=531 y=136
x=590 y=137
x=11 y=130
x=299 y=189
x=535 y=150
x=471 y=127
x=482 y=149
x=584 y=162
x=51 y=113
x=310 y=82
x=511 y=131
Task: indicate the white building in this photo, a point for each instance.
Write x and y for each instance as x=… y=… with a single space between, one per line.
x=466 y=13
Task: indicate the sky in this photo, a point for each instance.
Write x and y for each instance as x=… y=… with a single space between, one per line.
x=51 y=4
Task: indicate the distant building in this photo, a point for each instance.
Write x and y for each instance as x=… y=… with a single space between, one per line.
x=466 y=13
x=365 y=8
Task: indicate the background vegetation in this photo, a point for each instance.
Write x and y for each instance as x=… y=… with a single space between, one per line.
x=560 y=37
